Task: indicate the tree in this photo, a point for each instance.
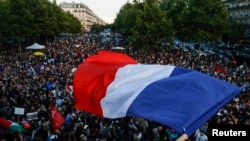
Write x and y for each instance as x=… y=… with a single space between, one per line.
x=152 y=27
x=236 y=31
x=198 y=20
x=208 y=19
x=21 y=19
x=125 y=22
x=4 y=14
x=36 y=17
x=19 y=24
x=145 y=24
x=175 y=12
x=50 y=24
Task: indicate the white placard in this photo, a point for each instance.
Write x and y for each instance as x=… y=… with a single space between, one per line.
x=19 y=111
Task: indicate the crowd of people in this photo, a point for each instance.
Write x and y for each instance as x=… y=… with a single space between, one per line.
x=35 y=82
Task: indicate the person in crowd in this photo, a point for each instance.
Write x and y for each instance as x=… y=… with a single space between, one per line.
x=35 y=82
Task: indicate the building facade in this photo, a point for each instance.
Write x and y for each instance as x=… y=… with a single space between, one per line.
x=239 y=11
x=83 y=13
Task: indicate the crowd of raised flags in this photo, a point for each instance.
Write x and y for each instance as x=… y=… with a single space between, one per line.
x=35 y=83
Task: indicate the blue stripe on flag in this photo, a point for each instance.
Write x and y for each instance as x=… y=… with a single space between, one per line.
x=185 y=100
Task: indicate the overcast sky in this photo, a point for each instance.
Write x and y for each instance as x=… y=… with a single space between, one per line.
x=105 y=9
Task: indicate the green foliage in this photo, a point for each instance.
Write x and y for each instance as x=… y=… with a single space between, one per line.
x=152 y=27
x=236 y=33
x=145 y=24
x=209 y=19
x=176 y=10
x=4 y=11
x=198 y=20
x=22 y=18
x=126 y=19
x=70 y=25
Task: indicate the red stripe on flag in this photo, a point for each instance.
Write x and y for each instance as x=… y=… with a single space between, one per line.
x=92 y=78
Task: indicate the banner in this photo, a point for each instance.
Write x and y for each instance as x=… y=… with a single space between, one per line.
x=32 y=116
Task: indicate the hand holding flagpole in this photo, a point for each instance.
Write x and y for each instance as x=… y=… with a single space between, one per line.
x=183 y=137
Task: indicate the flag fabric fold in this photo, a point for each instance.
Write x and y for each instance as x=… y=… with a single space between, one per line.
x=57 y=119
x=11 y=126
x=114 y=85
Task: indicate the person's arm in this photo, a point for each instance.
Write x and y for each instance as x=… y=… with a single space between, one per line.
x=183 y=137
x=20 y=136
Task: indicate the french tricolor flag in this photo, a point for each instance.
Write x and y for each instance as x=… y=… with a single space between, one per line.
x=113 y=85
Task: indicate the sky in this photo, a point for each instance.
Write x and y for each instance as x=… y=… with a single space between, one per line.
x=104 y=9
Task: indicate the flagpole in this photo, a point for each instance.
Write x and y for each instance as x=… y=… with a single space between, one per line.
x=183 y=137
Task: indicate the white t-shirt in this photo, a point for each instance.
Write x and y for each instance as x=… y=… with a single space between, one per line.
x=201 y=138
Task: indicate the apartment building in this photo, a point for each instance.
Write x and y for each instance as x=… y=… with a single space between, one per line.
x=239 y=10
x=81 y=11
